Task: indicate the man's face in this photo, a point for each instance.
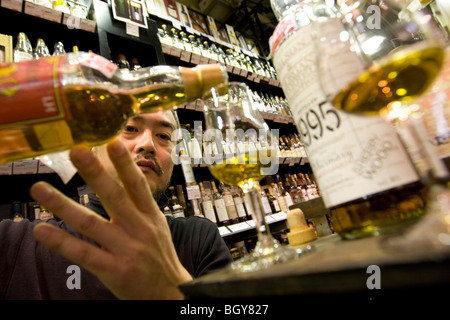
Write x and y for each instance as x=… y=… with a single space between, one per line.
x=148 y=137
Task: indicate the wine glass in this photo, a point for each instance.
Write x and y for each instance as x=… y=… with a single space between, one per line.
x=380 y=59
x=240 y=149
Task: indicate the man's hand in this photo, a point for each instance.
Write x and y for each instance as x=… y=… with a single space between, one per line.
x=137 y=259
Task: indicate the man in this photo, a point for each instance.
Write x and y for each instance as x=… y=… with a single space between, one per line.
x=133 y=253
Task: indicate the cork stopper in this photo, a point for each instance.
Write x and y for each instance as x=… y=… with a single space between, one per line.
x=200 y=79
x=300 y=232
x=296 y=219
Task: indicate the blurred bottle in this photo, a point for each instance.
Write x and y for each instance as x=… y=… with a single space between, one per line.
x=82 y=98
x=23 y=50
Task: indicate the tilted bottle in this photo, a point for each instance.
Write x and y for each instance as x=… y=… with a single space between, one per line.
x=56 y=102
x=367 y=179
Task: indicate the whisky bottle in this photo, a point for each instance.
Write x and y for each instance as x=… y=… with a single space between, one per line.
x=367 y=180
x=122 y=62
x=17 y=211
x=41 y=49
x=59 y=49
x=23 y=50
x=135 y=65
x=239 y=203
x=265 y=202
x=181 y=197
x=207 y=204
x=286 y=196
x=219 y=206
x=177 y=209
x=229 y=202
x=277 y=194
x=44 y=213
x=56 y=102
x=274 y=205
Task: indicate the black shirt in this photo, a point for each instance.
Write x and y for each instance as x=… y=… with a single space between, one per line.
x=28 y=270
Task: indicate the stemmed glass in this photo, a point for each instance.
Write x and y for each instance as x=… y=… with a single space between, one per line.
x=391 y=57
x=240 y=149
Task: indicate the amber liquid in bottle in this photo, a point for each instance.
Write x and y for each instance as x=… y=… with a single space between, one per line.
x=407 y=74
x=97 y=115
x=94 y=112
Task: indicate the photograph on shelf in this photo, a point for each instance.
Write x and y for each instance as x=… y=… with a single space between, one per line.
x=157 y=8
x=184 y=15
x=223 y=35
x=212 y=27
x=130 y=11
x=199 y=22
x=172 y=9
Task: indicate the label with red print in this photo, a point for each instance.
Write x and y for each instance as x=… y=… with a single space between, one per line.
x=30 y=92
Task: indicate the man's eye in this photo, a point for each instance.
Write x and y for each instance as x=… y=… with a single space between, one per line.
x=164 y=136
x=129 y=128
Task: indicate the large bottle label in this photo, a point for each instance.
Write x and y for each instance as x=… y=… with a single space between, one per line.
x=30 y=92
x=351 y=156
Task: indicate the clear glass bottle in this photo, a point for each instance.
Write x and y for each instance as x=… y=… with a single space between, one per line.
x=17 y=212
x=59 y=49
x=363 y=199
x=23 y=50
x=83 y=98
x=41 y=49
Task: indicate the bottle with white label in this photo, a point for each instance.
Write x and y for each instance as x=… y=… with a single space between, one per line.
x=366 y=177
x=206 y=204
x=220 y=206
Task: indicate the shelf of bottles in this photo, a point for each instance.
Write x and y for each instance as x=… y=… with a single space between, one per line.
x=228 y=207
x=74 y=14
x=238 y=61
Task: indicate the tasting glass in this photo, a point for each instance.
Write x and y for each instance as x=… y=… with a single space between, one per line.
x=378 y=62
x=240 y=149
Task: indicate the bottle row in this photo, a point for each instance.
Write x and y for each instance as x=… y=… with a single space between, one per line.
x=24 y=51
x=227 y=205
x=193 y=49
x=19 y=211
x=201 y=150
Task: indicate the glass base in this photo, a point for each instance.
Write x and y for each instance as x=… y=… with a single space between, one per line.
x=268 y=251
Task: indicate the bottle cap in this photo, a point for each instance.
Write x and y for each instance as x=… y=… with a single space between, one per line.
x=202 y=78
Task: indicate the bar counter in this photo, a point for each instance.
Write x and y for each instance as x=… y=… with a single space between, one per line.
x=333 y=267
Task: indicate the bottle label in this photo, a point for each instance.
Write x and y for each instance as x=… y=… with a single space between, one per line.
x=351 y=156
x=240 y=207
x=208 y=210
x=266 y=205
x=222 y=213
x=30 y=91
x=100 y=63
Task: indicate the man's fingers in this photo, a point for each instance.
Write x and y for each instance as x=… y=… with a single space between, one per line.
x=76 y=215
x=113 y=198
x=80 y=252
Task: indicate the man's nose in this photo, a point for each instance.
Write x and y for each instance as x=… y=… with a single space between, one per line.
x=145 y=143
